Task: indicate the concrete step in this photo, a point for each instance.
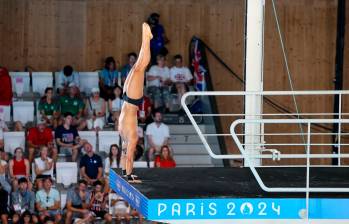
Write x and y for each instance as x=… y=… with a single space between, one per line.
x=185 y=139
x=186 y=149
x=184 y=129
x=193 y=159
x=196 y=165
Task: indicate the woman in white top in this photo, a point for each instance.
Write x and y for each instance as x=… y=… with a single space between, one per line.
x=115 y=106
x=112 y=161
x=95 y=109
x=43 y=167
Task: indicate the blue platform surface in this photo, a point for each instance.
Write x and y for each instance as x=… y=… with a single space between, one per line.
x=158 y=202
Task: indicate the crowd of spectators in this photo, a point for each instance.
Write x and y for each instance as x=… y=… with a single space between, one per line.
x=64 y=111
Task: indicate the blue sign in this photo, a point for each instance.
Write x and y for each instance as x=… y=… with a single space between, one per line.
x=229 y=208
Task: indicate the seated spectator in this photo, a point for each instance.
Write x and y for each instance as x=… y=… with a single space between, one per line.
x=40 y=136
x=145 y=111
x=48 y=202
x=22 y=202
x=108 y=78
x=95 y=110
x=115 y=107
x=118 y=207
x=19 y=167
x=67 y=77
x=176 y=97
x=157 y=134
x=18 y=126
x=6 y=87
x=67 y=137
x=157 y=43
x=180 y=73
x=43 y=167
x=3 y=128
x=158 y=82
x=78 y=200
x=165 y=159
x=132 y=58
x=4 y=196
x=48 y=108
x=113 y=159
x=3 y=180
x=91 y=166
x=73 y=104
x=99 y=202
x=26 y=218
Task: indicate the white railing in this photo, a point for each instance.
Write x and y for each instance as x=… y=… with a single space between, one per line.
x=306 y=119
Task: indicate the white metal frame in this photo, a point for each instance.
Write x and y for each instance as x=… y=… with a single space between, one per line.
x=275 y=154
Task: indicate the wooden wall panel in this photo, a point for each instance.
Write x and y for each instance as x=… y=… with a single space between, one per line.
x=48 y=34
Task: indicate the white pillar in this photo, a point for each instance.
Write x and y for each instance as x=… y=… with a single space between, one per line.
x=254 y=73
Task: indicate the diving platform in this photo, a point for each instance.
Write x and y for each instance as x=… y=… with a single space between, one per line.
x=186 y=195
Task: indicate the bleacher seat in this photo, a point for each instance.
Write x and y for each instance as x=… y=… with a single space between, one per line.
x=88 y=80
x=20 y=82
x=23 y=111
x=90 y=136
x=67 y=173
x=13 y=140
x=33 y=171
x=107 y=138
x=5 y=113
x=41 y=80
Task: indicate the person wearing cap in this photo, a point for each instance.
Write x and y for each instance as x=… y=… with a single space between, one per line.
x=22 y=200
x=40 y=136
x=73 y=103
x=67 y=77
x=95 y=110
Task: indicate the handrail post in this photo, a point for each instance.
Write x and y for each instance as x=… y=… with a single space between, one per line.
x=308 y=168
x=339 y=128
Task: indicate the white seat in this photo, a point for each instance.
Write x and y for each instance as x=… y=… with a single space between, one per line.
x=5 y=113
x=41 y=80
x=67 y=173
x=20 y=82
x=23 y=111
x=90 y=136
x=33 y=171
x=107 y=138
x=13 y=140
x=88 y=80
x=142 y=164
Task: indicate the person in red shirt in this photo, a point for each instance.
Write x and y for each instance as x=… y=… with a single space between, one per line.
x=6 y=87
x=165 y=159
x=145 y=111
x=41 y=136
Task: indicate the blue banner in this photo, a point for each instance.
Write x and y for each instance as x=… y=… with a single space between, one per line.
x=248 y=208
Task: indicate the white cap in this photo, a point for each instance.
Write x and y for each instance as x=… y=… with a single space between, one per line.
x=95 y=90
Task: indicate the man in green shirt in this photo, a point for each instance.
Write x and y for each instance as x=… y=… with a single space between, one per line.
x=49 y=109
x=75 y=105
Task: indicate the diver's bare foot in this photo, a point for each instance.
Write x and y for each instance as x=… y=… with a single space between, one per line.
x=147 y=31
